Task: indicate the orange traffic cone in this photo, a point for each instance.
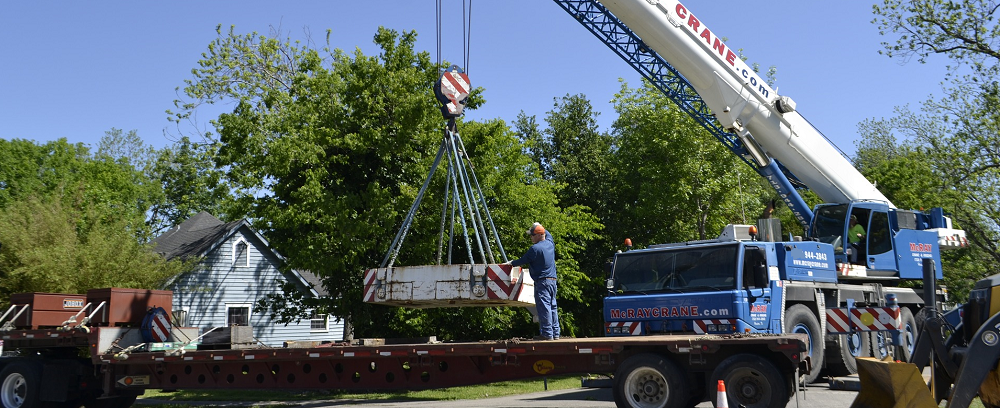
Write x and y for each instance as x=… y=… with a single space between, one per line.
x=721 y=400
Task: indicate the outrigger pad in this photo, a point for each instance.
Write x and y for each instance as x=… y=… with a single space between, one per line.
x=888 y=384
x=463 y=285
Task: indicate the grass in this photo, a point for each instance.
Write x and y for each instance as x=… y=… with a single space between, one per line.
x=976 y=403
x=491 y=390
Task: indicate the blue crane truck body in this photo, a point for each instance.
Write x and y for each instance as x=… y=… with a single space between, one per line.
x=739 y=284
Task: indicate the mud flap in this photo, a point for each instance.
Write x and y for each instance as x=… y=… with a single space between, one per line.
x=886 y=384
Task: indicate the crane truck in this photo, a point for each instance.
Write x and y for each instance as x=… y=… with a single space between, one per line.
x=737 y=283
x=677 y=317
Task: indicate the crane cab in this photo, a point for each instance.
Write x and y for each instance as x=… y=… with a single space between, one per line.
x=872 y=240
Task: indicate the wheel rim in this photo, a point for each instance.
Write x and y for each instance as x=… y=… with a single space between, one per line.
x=881 y=346
x=14 y=390
x=646 y=388
x=802 y=328
x=749 y=387
x=854 y=344
x=908 y=338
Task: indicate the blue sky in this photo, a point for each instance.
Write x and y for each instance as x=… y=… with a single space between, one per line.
x=78 y=69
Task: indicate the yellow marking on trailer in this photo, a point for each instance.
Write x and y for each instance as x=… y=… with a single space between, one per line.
x=543 y=366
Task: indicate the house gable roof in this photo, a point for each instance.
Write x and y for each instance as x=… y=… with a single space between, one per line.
x=195 y=237
x=203 y=233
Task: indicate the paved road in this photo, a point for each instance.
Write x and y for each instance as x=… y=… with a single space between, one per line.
x=816 y=396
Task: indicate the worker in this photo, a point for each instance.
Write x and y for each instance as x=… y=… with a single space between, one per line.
x=541 y=261
x=855 y=234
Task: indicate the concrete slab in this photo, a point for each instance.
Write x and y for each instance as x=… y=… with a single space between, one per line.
x=457 y=285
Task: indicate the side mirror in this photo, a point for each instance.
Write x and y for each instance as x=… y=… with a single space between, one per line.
x=610 y=283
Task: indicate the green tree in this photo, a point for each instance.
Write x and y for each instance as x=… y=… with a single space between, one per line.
x=31 y=169
x=120 y=173
x=126 y=148
x=191 y=183
x=327 y=153
x=902 y=171
x=529 y=133
x=580 y=154
x=575 y=154
x=964 y=31
x=108 y=178
x=676 y=182
x=50 y=246
x=71 y=221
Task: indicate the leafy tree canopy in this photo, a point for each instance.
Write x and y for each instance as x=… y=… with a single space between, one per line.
x=677 y=183
x=327 y=151
x=71 y=221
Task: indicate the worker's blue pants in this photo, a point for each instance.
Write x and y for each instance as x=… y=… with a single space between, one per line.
x=545 y=303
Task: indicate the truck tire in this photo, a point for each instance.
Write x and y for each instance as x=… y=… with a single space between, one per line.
x=650 y=381
x=752 y=382
x=907 y=333
x=800 y=319
x=842 y=351
x=881 y=341
x=881 y=349
x=19 y=383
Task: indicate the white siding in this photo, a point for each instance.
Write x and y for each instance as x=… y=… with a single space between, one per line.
x=205 y=293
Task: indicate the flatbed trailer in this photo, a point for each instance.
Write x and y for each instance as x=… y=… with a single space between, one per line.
x=648 y=370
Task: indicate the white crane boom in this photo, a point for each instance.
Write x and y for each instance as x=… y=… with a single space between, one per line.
x=743 y=101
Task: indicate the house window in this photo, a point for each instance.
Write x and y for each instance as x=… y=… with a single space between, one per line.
x=319 y=322
x=241 y=253
x=237 y=315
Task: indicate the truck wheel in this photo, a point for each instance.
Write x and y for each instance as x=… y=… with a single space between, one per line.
x=752 y=382
x=19 y=388
x=800 y=319
x=650 y=381
x=880 y=345
x=842 y=352
x=907 y=332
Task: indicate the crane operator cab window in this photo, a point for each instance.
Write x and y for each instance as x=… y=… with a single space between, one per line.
x=879 y=236
x=857 y=235
x=845 y=228
x=830 y=225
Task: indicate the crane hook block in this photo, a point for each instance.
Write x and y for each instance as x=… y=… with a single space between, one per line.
x=452 y=90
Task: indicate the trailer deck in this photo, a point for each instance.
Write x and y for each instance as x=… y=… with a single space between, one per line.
x=393 y=366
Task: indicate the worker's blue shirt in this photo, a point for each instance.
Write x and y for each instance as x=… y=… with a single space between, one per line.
x=540 y=258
